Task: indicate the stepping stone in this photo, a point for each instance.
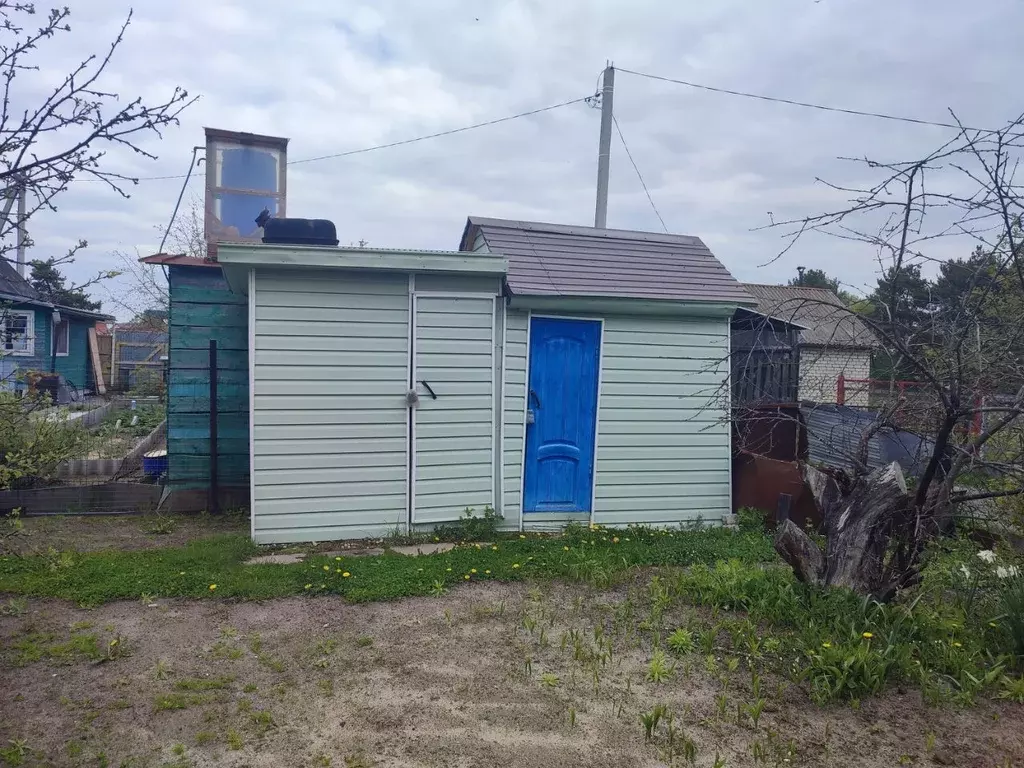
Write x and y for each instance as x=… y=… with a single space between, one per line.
x=276 y=559
x=424 y=549
x=367 y=552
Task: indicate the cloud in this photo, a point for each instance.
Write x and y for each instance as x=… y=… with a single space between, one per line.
x=338 y=77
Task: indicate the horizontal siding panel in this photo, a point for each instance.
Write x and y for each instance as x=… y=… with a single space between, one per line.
x=301 y=444
x=391 y=407
x=338 y=491
x=476 y=443
x=341 y=473
x=465 y=349
x=355 y=317
x=355 y=371
x=330 y=283
x=300 y=342
x=298 y=416
x=666 y=426
x=343 y=394
x=445 y=431
x=308 y=513
x=458 y=457
x=660 y=442
x=311 y=459
x=680 y=461
x=478 y=467
x=319 y=328
x=330 y=301
x=686 y=507
x=454 y=488
x=293 y=359
x=457 y=284
x=328 y=431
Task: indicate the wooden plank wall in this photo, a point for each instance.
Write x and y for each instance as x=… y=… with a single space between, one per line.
x=204 y=307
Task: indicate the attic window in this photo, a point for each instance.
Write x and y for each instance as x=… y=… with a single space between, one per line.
x=17 y=332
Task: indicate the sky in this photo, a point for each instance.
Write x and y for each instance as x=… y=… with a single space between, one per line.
x=335 y=77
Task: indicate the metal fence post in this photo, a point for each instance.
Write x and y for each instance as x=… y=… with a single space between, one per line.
x=841 y=390
x=214 y=504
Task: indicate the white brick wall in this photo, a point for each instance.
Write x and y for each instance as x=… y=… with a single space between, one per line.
x=820 y=368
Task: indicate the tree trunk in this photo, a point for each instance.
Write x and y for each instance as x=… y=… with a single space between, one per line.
x=857 y=526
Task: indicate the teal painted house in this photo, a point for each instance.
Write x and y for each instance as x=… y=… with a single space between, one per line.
x=203 y=307
x=37 y=335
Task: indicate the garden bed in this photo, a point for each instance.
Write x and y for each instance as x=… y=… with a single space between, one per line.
x=118 y=440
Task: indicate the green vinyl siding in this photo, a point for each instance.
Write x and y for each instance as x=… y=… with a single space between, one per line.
x=203 y=307
x=456 y=357
x=330 y=429
x=663 y=444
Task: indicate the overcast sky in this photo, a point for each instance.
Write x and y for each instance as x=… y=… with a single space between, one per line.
x=335 y=77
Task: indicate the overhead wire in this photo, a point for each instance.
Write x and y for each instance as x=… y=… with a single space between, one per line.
x=404 y=142
x=639 y=175
x=805 y=104
x=181 y=194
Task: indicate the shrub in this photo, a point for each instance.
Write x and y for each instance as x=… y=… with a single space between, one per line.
x=32 y=443
x=751 y=519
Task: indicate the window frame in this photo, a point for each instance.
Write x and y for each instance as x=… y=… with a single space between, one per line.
x=30 y=332
x=55 y=350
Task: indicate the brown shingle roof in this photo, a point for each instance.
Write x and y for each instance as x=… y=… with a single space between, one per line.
x=828 y=321
x=559 y=260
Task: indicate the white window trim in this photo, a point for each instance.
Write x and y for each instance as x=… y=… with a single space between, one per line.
x=67 y=335
x=30 y=331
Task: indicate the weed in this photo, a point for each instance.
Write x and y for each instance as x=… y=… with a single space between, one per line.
x=16 y=753
x=244 y=705
x=255 y=643
x=721 y=705
x=162 y=526
x=320 y=760
x=364 y=641
x=178 y=749
x=205 y=737
x=437 y=589
x=681 y=641
x=15 y=606
x=228 y=633
x=549 y=679
x=357 y=760
x=249 y=688
x=1012 y=689
x=658 y=668
x=204 y=684
x=233 y=739
x=326 y=686
x=271 y=662
x=263 y=720
x=224 y=650
x=754 y=711
x=650 y=720
x=170 y=701
x=572 y=717
x=161 y=669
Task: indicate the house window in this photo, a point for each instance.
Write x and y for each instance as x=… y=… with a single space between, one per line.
x=17 y=332
x=61 y=330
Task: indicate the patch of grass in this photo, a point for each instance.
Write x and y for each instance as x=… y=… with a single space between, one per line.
x=249 y=688
x=15 y=753
x=364 y=641
x=39 y=646
x=170 y=701
x=204 y=684
x=234 y=740
x=600 y=555
x=205 y=737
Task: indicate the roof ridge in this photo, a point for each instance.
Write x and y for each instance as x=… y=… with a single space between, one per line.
x=582 y=230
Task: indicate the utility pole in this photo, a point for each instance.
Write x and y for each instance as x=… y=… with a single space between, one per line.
x=22 y=231
x=604 y=150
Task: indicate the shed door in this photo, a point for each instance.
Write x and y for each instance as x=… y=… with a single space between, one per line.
x=561 y=415
x=454 y=421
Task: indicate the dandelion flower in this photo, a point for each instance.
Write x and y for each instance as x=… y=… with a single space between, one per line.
x=437 y=538
x=327 y=567
x=478 y=546
x=337 y=558
x=495 y=547
x=472 y=570
x=345 y=575
x=826 y=645
x=1005 y=572
x=987 y=555
x=957 y=645
x=565 y=548
x=337 y=570
x=515 y=566
x=867 y=635
x=449 y=570
x=466 y=577
x=992 y=624
x=181 y=573
x=522 y=536
x=615 y=540
x=309 y=586
x=213 y=587
x=487 y=572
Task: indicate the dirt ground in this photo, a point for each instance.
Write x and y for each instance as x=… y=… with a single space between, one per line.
x=90 y=533
x=487 y=675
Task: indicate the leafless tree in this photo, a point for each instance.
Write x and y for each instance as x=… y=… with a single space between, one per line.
x=966 y=356
x=55 y=132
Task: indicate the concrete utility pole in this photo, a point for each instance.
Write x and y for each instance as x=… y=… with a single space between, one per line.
x=604 y=148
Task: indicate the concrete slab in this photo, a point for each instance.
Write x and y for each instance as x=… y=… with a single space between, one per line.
x=366 y=552
x=424 y=549
x=276 y=559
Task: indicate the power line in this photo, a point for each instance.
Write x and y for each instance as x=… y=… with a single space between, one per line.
x=806 y=104
x=638 y=174
x=403 y=142
x=181 y=194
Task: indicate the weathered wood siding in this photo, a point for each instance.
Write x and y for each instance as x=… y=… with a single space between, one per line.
x=330 y=425
x=202 y=306
x=74 y=366
x=663 y=445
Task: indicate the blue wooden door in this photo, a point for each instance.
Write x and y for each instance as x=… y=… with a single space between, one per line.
x=561 y=415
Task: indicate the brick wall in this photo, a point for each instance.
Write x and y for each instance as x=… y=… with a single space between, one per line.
x=820 y=368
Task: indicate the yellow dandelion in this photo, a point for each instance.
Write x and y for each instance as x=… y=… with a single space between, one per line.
x=515 y=566
x=530 y=557
x=420 y=570
x=345 y=575
x=615 y=540
x=992 y=624
x=478 y=546
x=309 y=586
x=867 y=635
x=437 y=538
x=213 y=587
x=337 y=558
x=522 y=536
x=327 y=567
x=826 y=645
x=565 y=548
x=337 y=570
x=466 y=577
x=181 y=573
x=472 y=570
x=495 y=547
x=487 y=572
x=449 y=570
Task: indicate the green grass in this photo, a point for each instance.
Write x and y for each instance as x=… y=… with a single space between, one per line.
x=598 y=556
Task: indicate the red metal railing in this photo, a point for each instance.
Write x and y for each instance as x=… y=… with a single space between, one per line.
x=914 y=410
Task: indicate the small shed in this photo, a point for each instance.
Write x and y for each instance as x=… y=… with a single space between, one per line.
x=550 y=373
x=833 y=342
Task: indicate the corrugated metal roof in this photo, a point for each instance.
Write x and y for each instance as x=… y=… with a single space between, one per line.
x=827 y=320
x=558 y=260
x=834 y=433
x=178 y=260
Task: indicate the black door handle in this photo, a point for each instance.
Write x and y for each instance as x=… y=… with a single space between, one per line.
x=533 y=396
x=431 y=391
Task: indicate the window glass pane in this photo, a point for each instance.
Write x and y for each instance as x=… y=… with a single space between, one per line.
x=15 y=332
x=60 y=334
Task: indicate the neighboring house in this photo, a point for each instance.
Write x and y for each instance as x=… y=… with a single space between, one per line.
x=551 y=373
x=37 y=335
x=834 y=341
x=203 y=307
